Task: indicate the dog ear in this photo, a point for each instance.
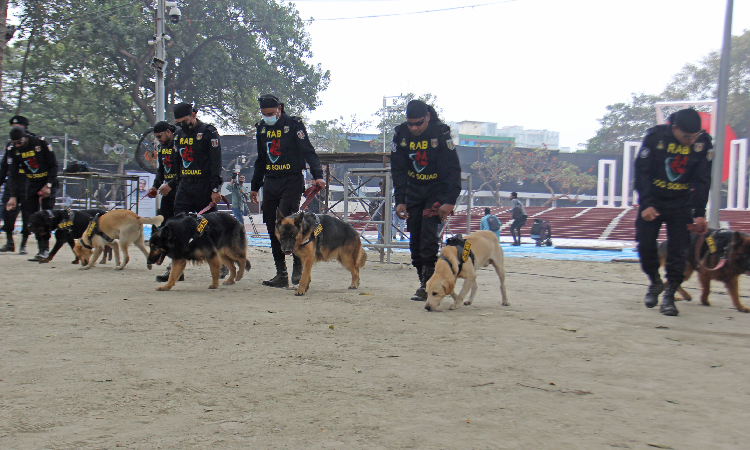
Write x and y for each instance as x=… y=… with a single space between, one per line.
x=449 y=286
x=279 y=216
x=299 y=218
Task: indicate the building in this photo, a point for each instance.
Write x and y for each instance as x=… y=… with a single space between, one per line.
x=532 y=138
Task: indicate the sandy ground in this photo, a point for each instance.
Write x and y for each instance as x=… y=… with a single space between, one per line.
x=99 y=360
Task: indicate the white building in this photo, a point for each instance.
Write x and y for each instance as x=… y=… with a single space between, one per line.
x=531 y=138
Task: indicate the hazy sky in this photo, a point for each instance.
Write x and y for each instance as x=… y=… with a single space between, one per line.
x=541 y=64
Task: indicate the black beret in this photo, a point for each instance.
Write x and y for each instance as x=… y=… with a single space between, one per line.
x=182 y=110
x=687 y=120
x=163 y=126
x=268 y=101
x=416 y=109
x=19 y=120
x=17 y=133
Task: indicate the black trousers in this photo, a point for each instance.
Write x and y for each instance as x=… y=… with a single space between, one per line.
x=678 y=237
x=29 y=205
x=283 y=193
x=166 y=207
x=9 y=217
x=423 y=224
x=516 y=226
x=193 y=196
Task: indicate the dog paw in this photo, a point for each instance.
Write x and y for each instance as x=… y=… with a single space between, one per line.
x=119 y=268
x=353 y=287
x=299 y=292
x=454 y=305
x=467 y=302
x=164 y=288
x=213 y=286
x=506 y=304
x=44 y=260
x=150 y=266
x=229 y=282
x=743 y=309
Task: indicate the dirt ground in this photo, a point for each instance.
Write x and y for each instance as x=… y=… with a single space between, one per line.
x=99 y=360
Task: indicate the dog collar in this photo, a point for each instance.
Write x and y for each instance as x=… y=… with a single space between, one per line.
x=316 y=231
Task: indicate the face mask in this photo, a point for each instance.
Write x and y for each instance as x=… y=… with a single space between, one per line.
x=270 y=120
x=187 y=127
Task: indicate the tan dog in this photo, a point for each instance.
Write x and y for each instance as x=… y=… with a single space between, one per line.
x=452 y=265
x=122 y=225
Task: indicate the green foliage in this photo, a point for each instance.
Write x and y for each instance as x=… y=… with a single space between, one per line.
x=84 y=66
x=624 y=122
x=394 y=114
x=331 y=135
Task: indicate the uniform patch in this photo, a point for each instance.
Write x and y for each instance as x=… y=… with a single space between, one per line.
x=710 y=155
x=434 y=143
x=214 y=142
x=38 y=148
x=286 y=130
x=660 y=145
x=263 y=130
x=301 y=134
x=202 y=225
x=450 y=144
x=698 y=146
x=645 y=151
x=403 y=142
x=318 y=230
x=394 y=147
x=199 y=136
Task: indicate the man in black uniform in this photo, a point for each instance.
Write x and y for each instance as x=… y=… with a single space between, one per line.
x=198 y=157
x=165 y=181
x=426 y=181
x=37 y=188
x=672 y=177
x=9 y=217
x=283 y=149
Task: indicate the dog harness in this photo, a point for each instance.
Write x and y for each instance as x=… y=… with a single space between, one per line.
x=716 y=244
x=202 y=226
x=463 y=248
x=66 y=221
x=93 y=229
x=314 y=235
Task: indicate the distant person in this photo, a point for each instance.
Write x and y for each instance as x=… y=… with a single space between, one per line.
x=490 y=222
x=541 y=232
x=518 y=214
x=672 y=177
x=240 y=196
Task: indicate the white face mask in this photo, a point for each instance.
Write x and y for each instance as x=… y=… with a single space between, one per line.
x=270 y=120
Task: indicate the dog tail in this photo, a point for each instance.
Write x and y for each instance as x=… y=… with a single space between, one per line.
x=156 y=220
x=362 y=258
x=247 y=264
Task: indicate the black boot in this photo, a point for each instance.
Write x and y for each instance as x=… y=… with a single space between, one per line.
x=22 y=248
x=164 y=278
x=281 y=280
x=652 y=296
x=43 y=246
x=421 y=294
x=9 y=245
x=296 y=270
x=667 y=301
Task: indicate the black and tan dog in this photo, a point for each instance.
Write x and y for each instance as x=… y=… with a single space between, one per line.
x=319 y=237
x=68 y=225
x=217 y=238
x=732 y=247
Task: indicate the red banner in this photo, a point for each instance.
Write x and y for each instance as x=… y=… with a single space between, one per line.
x=729 y=136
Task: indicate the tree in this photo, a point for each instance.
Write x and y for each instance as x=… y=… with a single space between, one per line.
x=696 y=81
x=394 y=114
x=331 y=135
x=85 y=65
x=538 y=165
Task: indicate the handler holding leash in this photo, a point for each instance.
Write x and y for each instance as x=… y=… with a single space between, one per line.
x=9 y=217
x=283 y=149
x=166 y=180
x=38 y=186
x=672 y=177
x=427 y=181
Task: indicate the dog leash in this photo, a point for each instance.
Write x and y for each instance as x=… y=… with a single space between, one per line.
x=310 y=194
x=699 y=260
x=212 y=204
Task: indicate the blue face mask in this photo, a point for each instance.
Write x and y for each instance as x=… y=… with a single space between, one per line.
x=270 y=120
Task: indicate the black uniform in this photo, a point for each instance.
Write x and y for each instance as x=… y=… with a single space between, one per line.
x=284 y=149
x=167 y=173
x=198 y=158
x=426 y=174
x=33 y=167
x=675 y=180
x=9 y=217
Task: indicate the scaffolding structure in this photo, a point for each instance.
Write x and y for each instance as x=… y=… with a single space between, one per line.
x=78 y=191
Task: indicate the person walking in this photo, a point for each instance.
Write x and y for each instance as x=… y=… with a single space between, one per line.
x=519 y=216
x=490 y=222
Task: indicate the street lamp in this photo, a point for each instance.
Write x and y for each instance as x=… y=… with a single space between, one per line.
x=159 y=63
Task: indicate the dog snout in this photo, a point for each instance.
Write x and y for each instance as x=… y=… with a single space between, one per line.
x=428 y=307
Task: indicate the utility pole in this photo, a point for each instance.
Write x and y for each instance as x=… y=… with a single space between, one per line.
x=160 y=40
x=387 y=108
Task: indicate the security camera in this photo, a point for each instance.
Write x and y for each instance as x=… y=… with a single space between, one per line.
x=174 y=15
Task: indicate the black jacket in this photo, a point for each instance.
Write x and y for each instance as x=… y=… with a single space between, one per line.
x=428 y=159
x=198 y=154
x=283 y=149
x=668 y=174
x=167 y=172
x=36 y=161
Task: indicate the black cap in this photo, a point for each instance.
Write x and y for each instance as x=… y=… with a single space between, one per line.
x=416 y=109
x=17 y=133
x=163 y=126
x=182 y=110
x=19 y=120
x=687 y=120
x=268 y=101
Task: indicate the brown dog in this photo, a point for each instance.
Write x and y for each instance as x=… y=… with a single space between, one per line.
x=319 y=237
x=731 y=246
x=122 y=225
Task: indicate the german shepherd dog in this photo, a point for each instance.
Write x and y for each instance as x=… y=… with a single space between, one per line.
x=319 y=237
x=733 y=246
x=68 y=225
x=217 y=238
